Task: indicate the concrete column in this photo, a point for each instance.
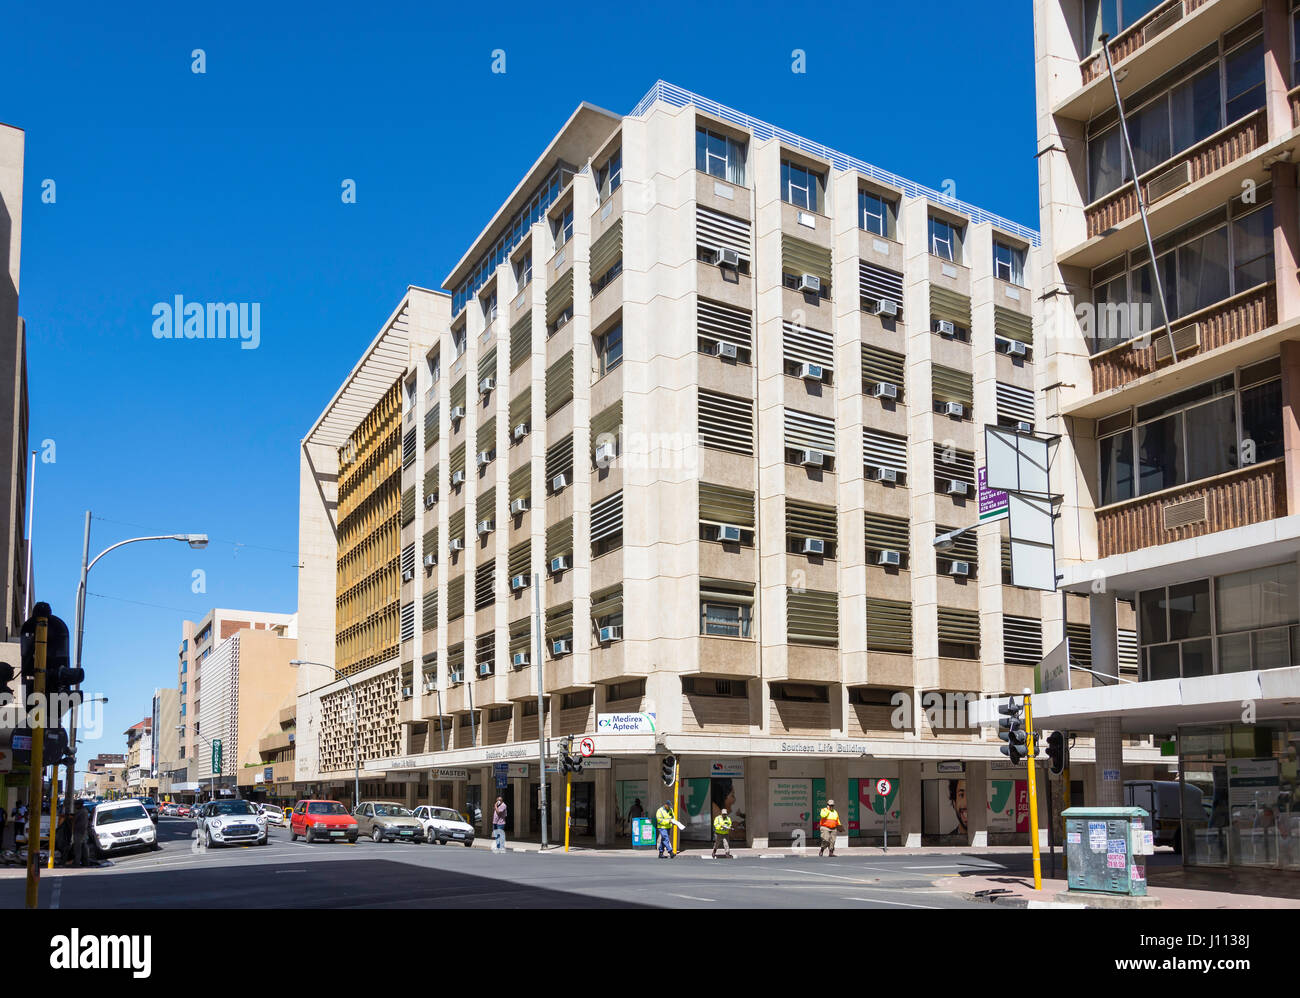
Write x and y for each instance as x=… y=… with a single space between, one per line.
x=977 y=810
x=522 y=810
x=1291 y=420
x=756 y=799
x=412 y=793
x=910 y=778
x=1110 y=756
x=837 y=789
x=1104 y=637
x=604 y=804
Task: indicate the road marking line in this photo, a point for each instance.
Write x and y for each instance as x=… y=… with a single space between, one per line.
x=56 y=892
x=902 y=904
x=691 y=898
x=852 y=880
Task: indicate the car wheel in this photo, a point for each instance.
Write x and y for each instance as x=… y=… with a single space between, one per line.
x=207 y=839
x=469 y=843
x=293 y=836
x=376 y=835
x=265 y=840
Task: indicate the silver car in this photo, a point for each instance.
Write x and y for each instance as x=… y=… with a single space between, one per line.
x=387 y=821
x=443 y=825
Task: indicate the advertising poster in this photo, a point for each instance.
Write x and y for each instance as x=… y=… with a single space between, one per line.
x=626 y=794
x=943 y=808
x=1008 y=806
x=729 y=792
x=867 y=809
x=789 y=807
x=694 y=809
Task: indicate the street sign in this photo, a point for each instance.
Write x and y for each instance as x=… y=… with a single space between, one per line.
x=883 y=787
x=587 y=747
x=216 y=755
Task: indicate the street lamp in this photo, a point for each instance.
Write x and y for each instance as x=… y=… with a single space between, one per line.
x=356 y=729
x=213 y=776
x=944 y=542
x=196 y=541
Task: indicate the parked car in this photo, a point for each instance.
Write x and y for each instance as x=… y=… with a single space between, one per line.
x=274 y=815
x=150 y=806
x=443 y=825
x=324 y=820
x=387 y=821
x=198 y=812
x=119 y=825
x=182 y=810
x=232 y=822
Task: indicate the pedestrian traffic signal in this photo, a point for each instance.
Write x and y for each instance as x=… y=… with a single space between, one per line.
x=670 y=771
x=1057 y=753
x=1011 y=729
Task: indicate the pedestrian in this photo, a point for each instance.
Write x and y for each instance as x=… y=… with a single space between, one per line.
x=830 y=823
x=20 y=823
x=636 y=811
x=499 y=826
x=721 y=829
x=80 y=826
x=665 y=819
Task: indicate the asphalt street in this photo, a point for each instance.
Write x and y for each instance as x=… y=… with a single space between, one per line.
x=288 y=874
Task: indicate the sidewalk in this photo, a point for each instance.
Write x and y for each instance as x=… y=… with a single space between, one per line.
x=704 y=851
x=1175 y=888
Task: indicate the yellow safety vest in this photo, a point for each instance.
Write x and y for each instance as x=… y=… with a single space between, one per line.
x=722 y=825
x=664 y=818
x=830 y=818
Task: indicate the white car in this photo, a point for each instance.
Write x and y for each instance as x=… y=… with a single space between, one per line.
x=443 y=825
x=118 y=825
x=232 y=822
x=274 y=815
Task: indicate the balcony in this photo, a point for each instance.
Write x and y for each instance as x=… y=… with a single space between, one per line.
x=1226 y=146
x=1228 y=321
x=1234 y=499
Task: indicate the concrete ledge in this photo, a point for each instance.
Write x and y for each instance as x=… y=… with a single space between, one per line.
x=1087 y=899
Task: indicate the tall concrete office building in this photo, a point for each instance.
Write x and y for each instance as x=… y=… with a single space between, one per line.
x=1179 y=455
x=719 y=388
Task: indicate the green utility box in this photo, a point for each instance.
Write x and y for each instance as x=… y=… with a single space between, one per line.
x=643 y=833
x=1106 y=849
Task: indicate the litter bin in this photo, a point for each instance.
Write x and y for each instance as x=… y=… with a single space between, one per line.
x=643 y=833
x=1106 y=849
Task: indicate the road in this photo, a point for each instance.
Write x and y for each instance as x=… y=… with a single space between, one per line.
x=288 y=874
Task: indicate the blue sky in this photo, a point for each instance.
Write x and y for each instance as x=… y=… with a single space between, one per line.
x=226 y=186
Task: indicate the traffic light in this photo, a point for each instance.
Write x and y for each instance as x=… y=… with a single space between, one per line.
x=55 y=750
x=670 y=771
x=1057 y=753
x=1011 y=729
x=60 y=676
x=6 y=683
x=569 y=763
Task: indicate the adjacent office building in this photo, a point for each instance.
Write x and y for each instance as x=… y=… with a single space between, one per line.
x=717 y=389
x=1174 y=390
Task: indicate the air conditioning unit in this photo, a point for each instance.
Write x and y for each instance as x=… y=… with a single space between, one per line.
x=810 y=282
x=518 y=506
x=812 y=458
x=519 y=659
x=813 y=545
x=430 y=560
x=724 y=349
x=430 y=686
x=457 y=677
x=486 y=385
x=886 y=307
x=518 y=582
x=945 y=328
x=484 y=458
x=561 y=647
x=729 y=534
x=604 y=453
x=608 y=634
x=486 y=527
x=884 y=390
x=954 y=409
x=728 y=257
x=1016 y=349
x=485 y=668
x=560 y=563
x=891 y=558
x=811 y=372
x=1023 y=427
x=406 y=691
x=559 y=483
x=457 y=413
x=959 y=568
x=458 y=477
x=883 y=474
x=408 y=574
x=957 y=487
x=520 y=431
x=429 y=499
x=456 y=544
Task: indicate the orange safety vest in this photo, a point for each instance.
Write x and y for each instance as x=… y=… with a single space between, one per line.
x=830 y=818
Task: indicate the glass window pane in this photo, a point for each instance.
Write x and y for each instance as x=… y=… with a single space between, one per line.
x=1162 y=662
x=1149 y=133
x=1261 y=597
x=1194 y=109
x=1189 y=610
x=1243 y=74
x=1234 y=653
x=1117 y=468
x=1261 y=423
x=1151 y=608
x=1252 y=249
x=1160 y=463
x=1203 y=272
x=1272 y=648
x=1211 y=438
x=1105 y=155
x=1198 y=658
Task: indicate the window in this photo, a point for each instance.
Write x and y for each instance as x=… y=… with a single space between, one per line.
x=1110 y=17
x=572 y=701
x=435 y=368
x=524 y=271
x=489 y=302
x=609 y=348
x=562 y=227
x=632 y=689
x=610 y=176
x=801 y=186
x=1008 y=264
x=945 y=240
x=1192 y=435
x=720 y=156
x=878 y=214
x=800 y=693
x=458 y=337
x=726 y=620
x=693 y=687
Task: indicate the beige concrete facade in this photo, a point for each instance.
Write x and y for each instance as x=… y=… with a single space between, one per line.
x=760 y=662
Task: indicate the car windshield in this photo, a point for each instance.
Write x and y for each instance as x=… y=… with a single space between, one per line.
x=110 y=816
x=391 y=811
x=271 y=808
x=233 y=807
x=326 y=807
x=445 y=815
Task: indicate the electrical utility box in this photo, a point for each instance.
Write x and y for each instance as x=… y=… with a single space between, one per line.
x=1106 y=849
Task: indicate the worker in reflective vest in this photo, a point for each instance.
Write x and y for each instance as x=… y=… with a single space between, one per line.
x=664 y=821
x=721 y=829
x=830 y=824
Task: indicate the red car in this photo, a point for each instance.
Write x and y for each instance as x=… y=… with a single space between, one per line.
x=183 y=811
x=325 y=820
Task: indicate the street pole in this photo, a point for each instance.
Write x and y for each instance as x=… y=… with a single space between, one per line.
x=76 y=658
x=36 y=778
x=1033 y=792
x=677 y=783
x=31 y=522
x=568 y=800
x=541 y=707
